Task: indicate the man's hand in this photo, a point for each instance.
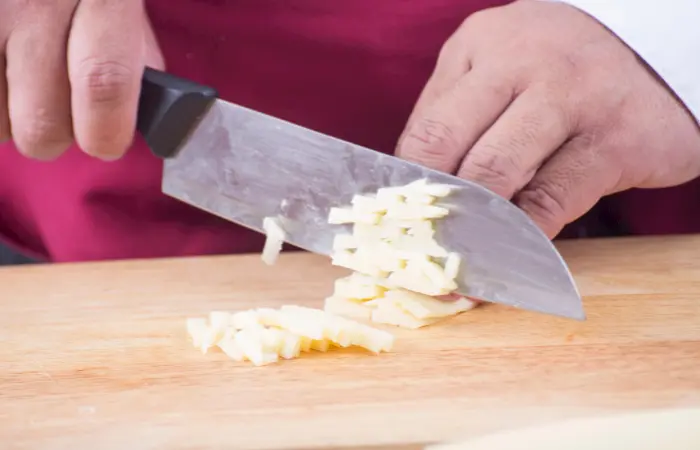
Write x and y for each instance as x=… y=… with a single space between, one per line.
x=70 y=70
x=540 y=103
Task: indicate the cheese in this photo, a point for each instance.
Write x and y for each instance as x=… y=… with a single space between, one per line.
x=426 y=307
x=275 y=237
x=452 y=263
x=344 y=242
x=347 y=307
x=398 y=265
x=263 y=336
x=390 y=314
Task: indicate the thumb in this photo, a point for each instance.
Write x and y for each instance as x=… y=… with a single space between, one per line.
x=153 y=55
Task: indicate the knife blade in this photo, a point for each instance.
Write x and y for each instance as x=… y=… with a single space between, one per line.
x=243 y=166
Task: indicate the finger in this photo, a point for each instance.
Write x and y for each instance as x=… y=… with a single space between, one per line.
x=4 y=113
x=506 y=157
x=568 y=185
x=441 y=134
x=105 y=64
x=37 y=82
x=452 y=64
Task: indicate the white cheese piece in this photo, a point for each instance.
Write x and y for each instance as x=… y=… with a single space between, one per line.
x=297 y=320
x=391 y=195
x=231 y=349
x=209 y=339
x=339 y=216
x=268 y=317
x=372 y=339
x=435 y=274
x=419 y=198
x=352 y=287
x=388 y=313
x=364 y=204
x=435 y=190
x=452 y=263
x=344 y=242
x=367 y=234
x=245 y=319
x=412 y=211
x=291 y=347
x=360 y=261
x=219 y=320
x=275 y=237
x=425 y=307
x=196 y=329
x=416 y=281
x=252 y=346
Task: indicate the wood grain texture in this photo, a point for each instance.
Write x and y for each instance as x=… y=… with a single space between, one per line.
x=95 y=356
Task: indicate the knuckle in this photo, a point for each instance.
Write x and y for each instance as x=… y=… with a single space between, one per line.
x=544 y=201
x=105 y=81
x=495 y=168
x=478 y=19
x=431 y=143
x=451 y=46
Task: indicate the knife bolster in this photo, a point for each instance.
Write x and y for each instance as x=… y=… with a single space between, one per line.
x=169 y=110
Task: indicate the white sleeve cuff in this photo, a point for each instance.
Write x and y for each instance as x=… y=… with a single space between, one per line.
x=664 y=34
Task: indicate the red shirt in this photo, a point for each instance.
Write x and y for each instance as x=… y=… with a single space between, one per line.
x=352 y=69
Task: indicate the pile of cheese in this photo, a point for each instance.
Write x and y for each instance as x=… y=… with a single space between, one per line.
x=398 y=269
x=399 y=266
x=263 y=335
x=363 y=297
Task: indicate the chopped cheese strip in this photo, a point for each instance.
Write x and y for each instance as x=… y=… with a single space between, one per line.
x=231 y=349
x=346 y=215
x=362 y=204
x=424 y=306
x=358 y=286
x=339 y=216
x=344 y=242
x=263 y=336
x=412 y=211
x=196 y=329
x=355 y=309
x=452 y=263
x=391 y=314
x=422 y=186
x=275 y=237
x=245 y=319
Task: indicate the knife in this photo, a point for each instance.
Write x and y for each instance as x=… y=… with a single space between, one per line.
x=243 y=166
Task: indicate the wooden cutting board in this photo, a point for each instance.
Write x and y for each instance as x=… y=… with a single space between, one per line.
x=95 y=356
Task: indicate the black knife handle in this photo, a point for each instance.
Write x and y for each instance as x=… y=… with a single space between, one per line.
x=169 y=109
